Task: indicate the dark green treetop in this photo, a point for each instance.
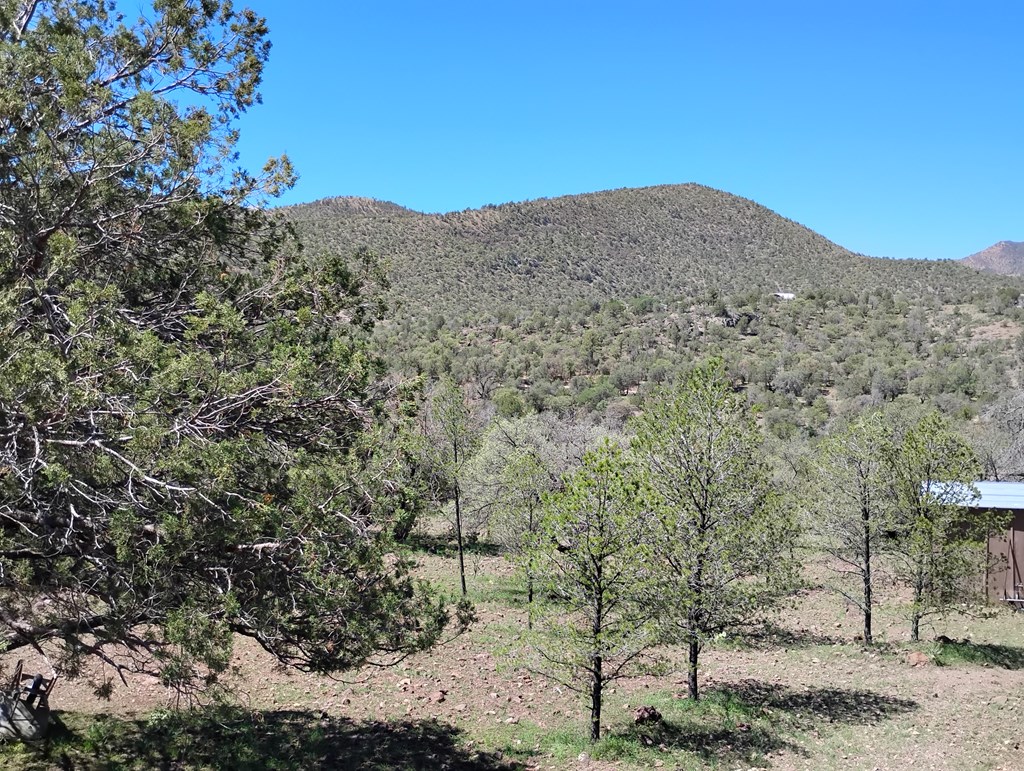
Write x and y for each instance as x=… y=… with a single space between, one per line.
x=190 y=417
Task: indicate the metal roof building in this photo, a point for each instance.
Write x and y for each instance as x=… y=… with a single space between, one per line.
x=1004 y=579
x=998 y=495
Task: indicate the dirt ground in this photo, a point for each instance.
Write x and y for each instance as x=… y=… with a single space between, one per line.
x=823 y=700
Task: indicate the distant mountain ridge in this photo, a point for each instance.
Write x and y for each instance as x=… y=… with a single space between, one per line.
x=1005 y=258
x=665 y=242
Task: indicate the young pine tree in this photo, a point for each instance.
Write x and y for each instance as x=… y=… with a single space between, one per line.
x=592 y=622
x=719 y=542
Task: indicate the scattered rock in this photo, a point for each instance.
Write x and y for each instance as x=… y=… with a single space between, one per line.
x=918 y=659
x=646 y=714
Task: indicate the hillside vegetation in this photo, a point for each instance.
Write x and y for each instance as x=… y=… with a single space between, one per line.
x=667 y=241
x=584 y=303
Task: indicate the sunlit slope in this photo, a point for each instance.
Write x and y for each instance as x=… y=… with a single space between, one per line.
x=664 y=241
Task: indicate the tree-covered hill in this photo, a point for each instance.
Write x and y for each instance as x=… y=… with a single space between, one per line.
x=583 y=304
x=667 y=241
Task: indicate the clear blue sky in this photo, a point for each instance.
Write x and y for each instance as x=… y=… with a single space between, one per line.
x=893 y=128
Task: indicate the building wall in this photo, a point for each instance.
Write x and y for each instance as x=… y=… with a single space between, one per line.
x=1005 y=576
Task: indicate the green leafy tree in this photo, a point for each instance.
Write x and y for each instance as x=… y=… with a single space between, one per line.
x=593 y=626
x=938 y=550
x=523 y=479
x=850 y=507
x=454 y=438
x=519 y=461
x=509 y=403
x=720 y=541
x=189 y=412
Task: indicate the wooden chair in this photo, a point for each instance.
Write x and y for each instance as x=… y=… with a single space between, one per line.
x=25 y=705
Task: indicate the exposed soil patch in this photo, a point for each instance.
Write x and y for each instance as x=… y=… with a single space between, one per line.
x=798 y=693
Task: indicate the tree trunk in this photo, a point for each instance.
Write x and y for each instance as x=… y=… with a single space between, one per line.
x=458 y=538
x=915 y=618
x=691 y=679
x=868 y=640
x=691 y=621
x=596 y=627
x=529 y=599
x=866 y=521
x=529 y=577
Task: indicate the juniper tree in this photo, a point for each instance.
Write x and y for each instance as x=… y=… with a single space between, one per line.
x=189 y=412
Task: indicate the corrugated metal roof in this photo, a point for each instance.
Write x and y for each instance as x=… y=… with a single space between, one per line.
x=998 y=495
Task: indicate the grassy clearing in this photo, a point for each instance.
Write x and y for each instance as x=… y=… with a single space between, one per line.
x=528 y=742
x=797 y=692
x=441 y=545
x=502 y=591
x=949 y=653
x=723 y=727
x=745 y=723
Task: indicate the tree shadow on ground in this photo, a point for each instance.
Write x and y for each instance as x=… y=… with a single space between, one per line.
x=957 y=651
x=508 y=593
x=769 y=635
x=747 y=721
x=728 y=745
x=445 y=546
x=233 y=738
x=853 y=706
